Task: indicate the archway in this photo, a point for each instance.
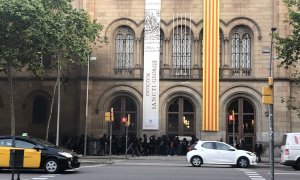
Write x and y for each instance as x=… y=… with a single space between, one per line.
x=180 y=117
x=124 y=106
x=243 y=123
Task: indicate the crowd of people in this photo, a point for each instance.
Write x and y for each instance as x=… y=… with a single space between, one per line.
x=143 y=146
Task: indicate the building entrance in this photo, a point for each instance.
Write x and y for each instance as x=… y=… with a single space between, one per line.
x=123 y=106
x=181 y=117
x=243 y=127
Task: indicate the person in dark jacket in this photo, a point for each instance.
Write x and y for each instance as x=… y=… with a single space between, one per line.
x=258 y=151
x=103 y=145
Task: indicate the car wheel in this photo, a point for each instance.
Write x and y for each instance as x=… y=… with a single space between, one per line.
x=243 y=162
x=297 y=165
x=51 y=166
x=196 y=161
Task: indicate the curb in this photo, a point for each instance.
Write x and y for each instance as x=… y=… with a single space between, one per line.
x=94 y=160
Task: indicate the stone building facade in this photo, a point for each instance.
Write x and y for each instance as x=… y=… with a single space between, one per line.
x=116 y=77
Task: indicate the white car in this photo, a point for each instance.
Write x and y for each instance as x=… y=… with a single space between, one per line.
x=290 y=150
x=215 y=152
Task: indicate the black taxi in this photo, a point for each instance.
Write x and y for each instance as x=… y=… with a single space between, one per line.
x=38 y=154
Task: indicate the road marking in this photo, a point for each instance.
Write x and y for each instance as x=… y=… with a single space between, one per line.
x=255 y=177
x=92 y=166
x=150 y=164
x=252 y=174
x=287 y=173
x=47 y=176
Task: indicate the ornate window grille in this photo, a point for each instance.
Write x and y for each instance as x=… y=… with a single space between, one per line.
x=181 y=58
x=124 y=51
x=241 y=52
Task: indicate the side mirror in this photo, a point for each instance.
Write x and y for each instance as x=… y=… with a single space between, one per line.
x=231 y=149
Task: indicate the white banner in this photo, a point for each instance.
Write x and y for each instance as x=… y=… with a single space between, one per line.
x=151 y=65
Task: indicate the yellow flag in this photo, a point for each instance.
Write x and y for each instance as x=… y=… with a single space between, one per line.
x=210 y=110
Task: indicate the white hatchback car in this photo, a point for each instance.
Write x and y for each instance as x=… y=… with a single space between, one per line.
x=215 y=152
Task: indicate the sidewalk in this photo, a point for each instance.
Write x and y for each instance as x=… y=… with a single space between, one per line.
x=89 y=160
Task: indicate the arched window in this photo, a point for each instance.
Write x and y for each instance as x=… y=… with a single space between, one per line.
x=242 y=126
x=181 y=117
x=182 y=49
x=39 y=110
x=124 y=50
x=241 y=51
x=123 y=106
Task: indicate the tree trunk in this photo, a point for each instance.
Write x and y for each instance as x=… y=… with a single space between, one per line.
x=11 y=101
x=51 y=110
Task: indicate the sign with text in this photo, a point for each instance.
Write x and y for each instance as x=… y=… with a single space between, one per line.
x=151 y=65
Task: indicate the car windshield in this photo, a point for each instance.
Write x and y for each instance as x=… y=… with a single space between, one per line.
x=43 y=142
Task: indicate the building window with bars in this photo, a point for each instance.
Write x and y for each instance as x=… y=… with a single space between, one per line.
x=241 y=51
x=124 y=51
x=181 y=57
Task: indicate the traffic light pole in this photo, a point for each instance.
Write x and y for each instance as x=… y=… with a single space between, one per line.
x=126 y=148
x=111 y=119
x=233 y=133
x=110 y=138
x=126 y=122
x=271 y=123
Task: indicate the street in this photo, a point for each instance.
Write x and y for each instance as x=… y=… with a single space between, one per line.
x=124 y=169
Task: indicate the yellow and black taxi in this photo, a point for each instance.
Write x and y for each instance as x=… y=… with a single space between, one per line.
x=37 y=154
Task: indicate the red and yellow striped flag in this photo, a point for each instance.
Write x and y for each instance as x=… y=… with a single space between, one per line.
x=210 y=110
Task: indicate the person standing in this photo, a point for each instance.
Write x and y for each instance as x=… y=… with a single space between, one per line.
x=145 y=145
x=258 y=150
x=103 y=145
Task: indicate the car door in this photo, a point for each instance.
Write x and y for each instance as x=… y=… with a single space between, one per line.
x=32 y=157
x=225 y=153
x=5 y=146
x=208 y=152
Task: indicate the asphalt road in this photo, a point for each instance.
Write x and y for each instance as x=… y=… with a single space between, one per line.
x=156 y=170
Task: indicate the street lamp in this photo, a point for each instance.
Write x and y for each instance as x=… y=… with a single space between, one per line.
x=90 y=58
x=271 y=122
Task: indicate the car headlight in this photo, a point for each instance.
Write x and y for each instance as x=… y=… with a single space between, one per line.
x=250 y=153
x=65 y=154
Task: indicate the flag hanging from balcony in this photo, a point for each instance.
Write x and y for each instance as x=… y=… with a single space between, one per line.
x=210 y=110
x=151 y=65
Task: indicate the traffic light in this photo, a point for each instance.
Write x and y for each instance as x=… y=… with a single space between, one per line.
x=231 y=116
x=128 y=120
x=124 y=120
x=267 y=92
x=107 y=116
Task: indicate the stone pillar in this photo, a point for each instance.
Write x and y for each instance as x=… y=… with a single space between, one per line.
x=137 y=66
x=166 y=65
x=195 y=61
x=226 y=66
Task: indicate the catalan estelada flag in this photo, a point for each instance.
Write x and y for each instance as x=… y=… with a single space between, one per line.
x=210 y=110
